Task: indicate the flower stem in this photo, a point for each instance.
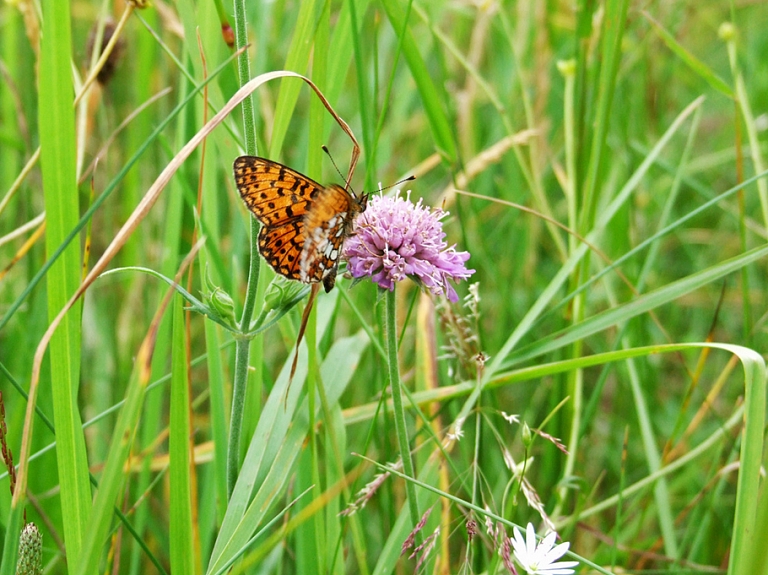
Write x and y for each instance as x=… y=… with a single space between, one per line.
x=397 y=402
x=242 y=349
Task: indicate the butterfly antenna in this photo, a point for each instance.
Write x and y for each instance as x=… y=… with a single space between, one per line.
x=328 y=152
x=397 y=183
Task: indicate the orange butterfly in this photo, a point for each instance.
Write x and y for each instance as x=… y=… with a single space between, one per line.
x=304 y=223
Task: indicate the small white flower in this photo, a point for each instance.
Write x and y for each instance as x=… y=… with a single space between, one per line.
x=511 y=418
x=457 y=432
x=541 y=559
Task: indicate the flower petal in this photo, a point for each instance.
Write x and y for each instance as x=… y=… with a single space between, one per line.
x=530 y=539
x=544 y=547
x=553 y=555
x=518 y=543
x=558 y=571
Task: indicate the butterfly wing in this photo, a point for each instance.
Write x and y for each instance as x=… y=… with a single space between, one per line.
x=279 y=197
x=281 y=246
x=274 y=193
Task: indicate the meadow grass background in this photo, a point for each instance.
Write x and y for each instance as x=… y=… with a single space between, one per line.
x=631 y=124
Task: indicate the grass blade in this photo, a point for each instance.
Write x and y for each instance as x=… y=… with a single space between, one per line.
x=431 y=100
x=58 y=161
x=699 y=67
x=184 y=556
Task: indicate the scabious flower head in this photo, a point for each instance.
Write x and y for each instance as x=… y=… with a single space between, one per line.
x=395 y=238
x=541 y=558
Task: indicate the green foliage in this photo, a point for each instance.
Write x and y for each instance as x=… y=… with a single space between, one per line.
x=616 y=215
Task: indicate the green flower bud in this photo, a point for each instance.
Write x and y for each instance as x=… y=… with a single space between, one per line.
x=727 y=31
x=282 y=293
x=221 y=302
x=567 y=67
x=526 y=434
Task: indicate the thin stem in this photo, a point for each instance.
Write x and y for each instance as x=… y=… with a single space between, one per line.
x=576 y=377
x=242 y=353
x=397 y=405
x=244 y=75
x=243 y=349
x=568 y=70
x=727 y=32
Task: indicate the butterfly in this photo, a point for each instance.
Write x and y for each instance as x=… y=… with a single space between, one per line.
x=304 y=224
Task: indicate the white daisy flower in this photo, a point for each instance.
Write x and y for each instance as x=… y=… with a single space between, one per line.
x=541 y=558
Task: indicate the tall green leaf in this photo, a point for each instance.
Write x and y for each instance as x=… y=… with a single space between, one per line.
x=58 y=157
x=182 y=552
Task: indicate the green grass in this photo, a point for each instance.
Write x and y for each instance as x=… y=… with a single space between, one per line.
x=616 y=215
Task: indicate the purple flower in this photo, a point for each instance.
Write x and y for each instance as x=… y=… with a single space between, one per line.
x=395 y=238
